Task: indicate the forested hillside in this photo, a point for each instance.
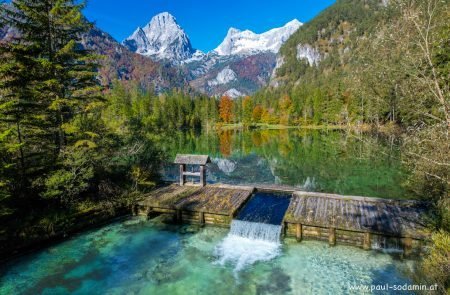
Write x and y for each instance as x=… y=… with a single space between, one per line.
x=360 y=62
x=117 y=62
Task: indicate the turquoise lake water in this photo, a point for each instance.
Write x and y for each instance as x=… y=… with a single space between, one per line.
x=136 y=256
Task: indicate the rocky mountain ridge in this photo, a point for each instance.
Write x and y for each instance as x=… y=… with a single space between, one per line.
x=240 y=65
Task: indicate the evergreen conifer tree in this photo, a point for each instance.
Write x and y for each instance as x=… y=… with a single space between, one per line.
x=47 y=78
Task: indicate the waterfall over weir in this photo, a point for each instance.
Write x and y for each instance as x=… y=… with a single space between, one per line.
x=248 y=243
x=386 y=244
x=255 y=235
x=256 y=231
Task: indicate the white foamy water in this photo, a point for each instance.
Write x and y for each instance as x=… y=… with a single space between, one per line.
x=387 y=245
x=256 y=231
x=248 y=243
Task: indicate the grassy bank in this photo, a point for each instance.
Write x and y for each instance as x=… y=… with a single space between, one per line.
x=387 y=128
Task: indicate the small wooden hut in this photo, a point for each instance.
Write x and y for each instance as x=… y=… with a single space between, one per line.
x=196 y=160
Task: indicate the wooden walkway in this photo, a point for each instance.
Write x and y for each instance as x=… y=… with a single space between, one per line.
x=216 y=199
x=212 y=204
x=167 y=196
x=377 y=216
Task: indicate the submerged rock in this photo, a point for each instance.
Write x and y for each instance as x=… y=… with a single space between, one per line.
x=278 y=283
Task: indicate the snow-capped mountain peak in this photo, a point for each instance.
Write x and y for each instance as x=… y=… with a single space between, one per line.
x=233 y=31
x=239 y=42
x=240 y=65
x=161 y=38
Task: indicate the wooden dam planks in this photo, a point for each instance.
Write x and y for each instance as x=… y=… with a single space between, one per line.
x=213 y=199
x=320 y=214
x=217 y=199
x=167 y=196
x=396 y=218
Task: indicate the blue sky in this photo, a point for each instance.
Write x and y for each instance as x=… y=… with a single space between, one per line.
x=205 y=21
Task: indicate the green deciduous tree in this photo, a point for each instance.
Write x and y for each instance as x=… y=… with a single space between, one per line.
x=247 y=109
x=68 y=183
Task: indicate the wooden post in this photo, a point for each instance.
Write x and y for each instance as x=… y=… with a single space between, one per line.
x=179 y=216
x=202 y=218
x=298 y=232
x=182 y=176
x=135 y=210
x=367 y=245
x=332 y=236
x=202 y=175
x=407 y=246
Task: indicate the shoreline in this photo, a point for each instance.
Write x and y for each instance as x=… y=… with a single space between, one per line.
x=84 y=222
x=386 y=129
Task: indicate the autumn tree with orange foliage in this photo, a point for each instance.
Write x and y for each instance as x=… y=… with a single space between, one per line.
x=225 y=143
x=225 y=109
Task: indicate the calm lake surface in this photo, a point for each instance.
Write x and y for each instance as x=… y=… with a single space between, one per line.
x=323 y=161
x=147 y=257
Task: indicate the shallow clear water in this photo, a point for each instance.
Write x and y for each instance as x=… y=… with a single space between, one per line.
x=323 y=161
x=147 y=257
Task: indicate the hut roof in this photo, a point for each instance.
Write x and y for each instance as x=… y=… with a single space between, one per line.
x=192 y=159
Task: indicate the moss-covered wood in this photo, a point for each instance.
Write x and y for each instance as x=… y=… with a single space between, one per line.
x=167 y=196
x=214 y=204
x=216 y=199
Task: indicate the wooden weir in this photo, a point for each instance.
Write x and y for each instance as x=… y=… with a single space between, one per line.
x=338 y=219
x=212 y=204
x=355 y=220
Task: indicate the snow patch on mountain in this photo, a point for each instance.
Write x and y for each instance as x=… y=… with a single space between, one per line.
x=162 y=38
x=247 y=42
x=197 y=56
x=233 y=93
x=279 y=64
x=225 y=76
x=308 y=53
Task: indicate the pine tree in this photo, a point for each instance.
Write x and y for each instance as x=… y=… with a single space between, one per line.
x=247 y=109
x=67 y=77
x=47 y=80
x=22 y=116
